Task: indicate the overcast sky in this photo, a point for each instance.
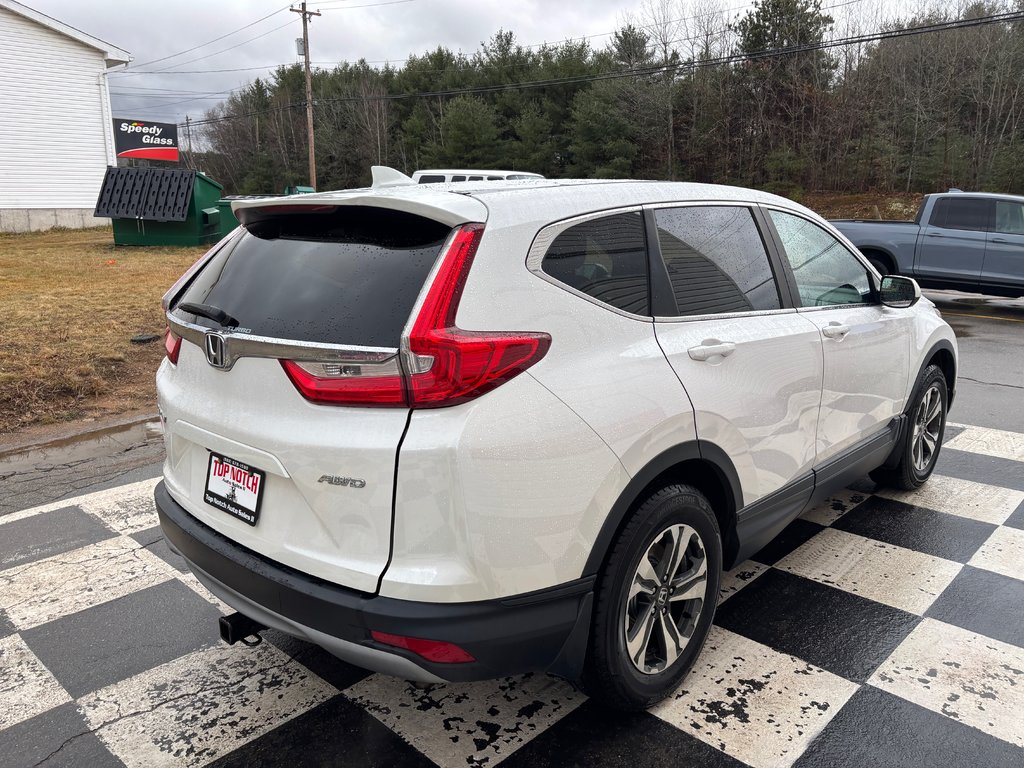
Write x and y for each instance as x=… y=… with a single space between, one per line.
x=376 y=30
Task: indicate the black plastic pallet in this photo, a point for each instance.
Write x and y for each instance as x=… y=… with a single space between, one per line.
x=153 y=194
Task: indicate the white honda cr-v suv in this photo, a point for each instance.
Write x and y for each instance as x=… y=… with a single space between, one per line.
x=451 y=432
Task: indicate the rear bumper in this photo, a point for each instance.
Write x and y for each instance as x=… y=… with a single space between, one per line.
x=545 y=630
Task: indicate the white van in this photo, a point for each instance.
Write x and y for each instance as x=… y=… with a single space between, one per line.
x=442 y=175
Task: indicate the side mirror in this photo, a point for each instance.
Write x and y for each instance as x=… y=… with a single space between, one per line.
x=899 y=292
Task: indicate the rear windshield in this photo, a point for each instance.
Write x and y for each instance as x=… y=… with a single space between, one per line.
x=345 y=275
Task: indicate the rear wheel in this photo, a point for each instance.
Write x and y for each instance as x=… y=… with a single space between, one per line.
x=923 y=439
x=655 y=600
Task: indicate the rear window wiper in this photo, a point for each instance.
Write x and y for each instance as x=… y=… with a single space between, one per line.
x=210 y=312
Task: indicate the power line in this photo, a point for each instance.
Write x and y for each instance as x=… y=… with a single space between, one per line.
x=210 y=42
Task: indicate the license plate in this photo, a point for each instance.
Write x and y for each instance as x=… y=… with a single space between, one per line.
x=234 y=487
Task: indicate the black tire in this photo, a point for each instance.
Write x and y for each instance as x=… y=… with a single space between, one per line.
x=881 y=265
x=911 y=472
x=610 y=676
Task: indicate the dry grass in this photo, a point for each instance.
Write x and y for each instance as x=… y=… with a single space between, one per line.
x=69 y=303
x=867 y=205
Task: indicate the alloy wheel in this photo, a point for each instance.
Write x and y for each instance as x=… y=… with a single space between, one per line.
x=927 y=425
x=666 y=597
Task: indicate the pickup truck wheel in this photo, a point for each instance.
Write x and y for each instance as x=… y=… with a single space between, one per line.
x=655 y=600
x=880 y=264
x=923 y=439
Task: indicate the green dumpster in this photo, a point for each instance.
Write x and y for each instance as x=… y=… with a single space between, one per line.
x=161 y=206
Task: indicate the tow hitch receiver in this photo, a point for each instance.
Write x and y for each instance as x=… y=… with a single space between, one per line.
x=236 y=628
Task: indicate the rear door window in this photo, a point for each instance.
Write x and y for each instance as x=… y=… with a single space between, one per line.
x=1009 y=218
x=605 y=258
x=716 y=260
x=970 y=213
x=347 y=275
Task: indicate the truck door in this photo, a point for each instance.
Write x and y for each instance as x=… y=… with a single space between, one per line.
x=951 y=245
x=1004 y=254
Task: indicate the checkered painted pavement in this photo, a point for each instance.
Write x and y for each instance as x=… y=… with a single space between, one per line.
x=881 y=629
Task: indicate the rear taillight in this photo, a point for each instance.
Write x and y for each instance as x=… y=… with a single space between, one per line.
x=172 y=345
x=441 y=364
x=432 y=650
x=359 y=381
x=447 y=365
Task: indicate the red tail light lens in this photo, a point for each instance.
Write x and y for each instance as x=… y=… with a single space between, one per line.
x=172 y=345
x=431 y=650
x=339 y=384
x=449 y=365
x=442 y=364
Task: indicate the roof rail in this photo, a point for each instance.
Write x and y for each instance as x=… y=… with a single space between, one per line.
x=954 y=189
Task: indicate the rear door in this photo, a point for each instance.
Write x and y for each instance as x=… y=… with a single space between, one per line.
x=313 y=306
x=866 y=345
x=951 y=245
x=750 y=363
x=1004 y=254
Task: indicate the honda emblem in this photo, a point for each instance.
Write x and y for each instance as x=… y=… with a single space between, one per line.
x=216 y=350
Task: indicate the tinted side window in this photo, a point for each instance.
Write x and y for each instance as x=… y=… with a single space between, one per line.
x=431 y=179
x=963 y=213
x=716 y=260
x=605 y=258
x=826 y=272
x=1009 y=217
x=458 y=178
x=350 y=276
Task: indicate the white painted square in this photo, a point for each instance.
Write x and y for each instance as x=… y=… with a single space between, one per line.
x=991 y=442
x=962 y=675
x=834 y=507
x=736 y=579
x=89 y=501
x=976 y=501
x=72 y=581
x=467 y=723
x=902 y=578
x=27 y=688
x=127 y=508
x=1002 y=552
x=199 y=707
x=753 y=703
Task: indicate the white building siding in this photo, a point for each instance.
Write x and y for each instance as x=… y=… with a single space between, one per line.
x=55 y=135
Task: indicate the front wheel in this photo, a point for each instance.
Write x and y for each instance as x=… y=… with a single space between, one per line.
x=923 y=440
x=655 y=600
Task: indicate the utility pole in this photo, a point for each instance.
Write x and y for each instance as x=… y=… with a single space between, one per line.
x=309 y=89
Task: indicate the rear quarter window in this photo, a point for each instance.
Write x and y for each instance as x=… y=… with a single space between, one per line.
x=348 y=275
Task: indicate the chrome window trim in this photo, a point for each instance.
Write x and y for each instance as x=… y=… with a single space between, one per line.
x=726 y=315
x=546 y=236
x=238 y=345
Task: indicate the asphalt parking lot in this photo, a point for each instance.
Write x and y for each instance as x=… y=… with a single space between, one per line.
x=881 y=628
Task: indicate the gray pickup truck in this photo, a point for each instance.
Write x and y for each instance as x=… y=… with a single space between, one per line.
x=969 y=241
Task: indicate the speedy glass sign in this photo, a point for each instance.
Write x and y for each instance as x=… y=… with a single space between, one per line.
x=145 y=139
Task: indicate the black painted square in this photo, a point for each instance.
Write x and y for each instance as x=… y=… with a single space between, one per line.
x=922 y=530
x=6 y=628
x=792 y=537
x=880 y=730
x=325 y=665
x=60 y=734
x=832 y=629
x=99 y=646
x=1016 y=520
x=153 y=540
x=984 y=602
x=48 y=534
x=337 y=733
x=593 y=735
x=991 y=470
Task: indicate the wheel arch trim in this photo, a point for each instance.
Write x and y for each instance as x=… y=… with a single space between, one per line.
x=701 y=451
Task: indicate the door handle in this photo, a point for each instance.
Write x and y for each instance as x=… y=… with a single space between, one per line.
x=711 y=348
x=998 y=239
x=836 y=330
x=934 y=234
